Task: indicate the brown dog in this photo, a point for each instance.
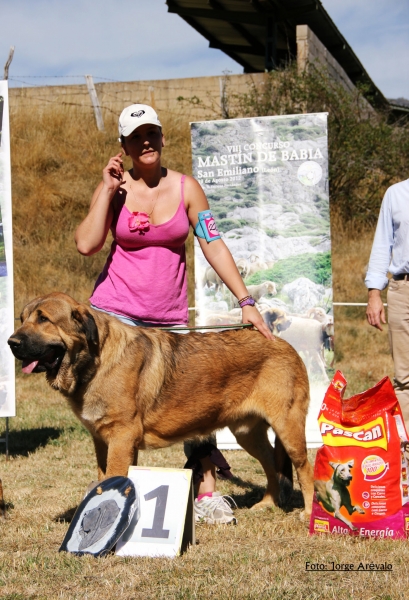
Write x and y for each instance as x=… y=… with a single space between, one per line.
x=135 y=387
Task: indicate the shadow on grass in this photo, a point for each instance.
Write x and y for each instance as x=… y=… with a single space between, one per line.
x=67 y=516
x=254 y=493
x=26 y=441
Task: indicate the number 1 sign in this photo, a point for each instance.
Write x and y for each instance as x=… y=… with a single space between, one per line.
x=166 y=525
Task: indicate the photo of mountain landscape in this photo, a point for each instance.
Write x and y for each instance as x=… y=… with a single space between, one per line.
x=266 y=180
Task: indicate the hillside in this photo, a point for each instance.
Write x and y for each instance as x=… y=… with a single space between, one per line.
x=57 y=158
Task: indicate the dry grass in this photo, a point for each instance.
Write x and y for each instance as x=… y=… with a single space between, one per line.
x=361 y=352
x=57 y=160
x=264 y=556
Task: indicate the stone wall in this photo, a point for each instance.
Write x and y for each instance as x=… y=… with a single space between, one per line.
x=311 y=50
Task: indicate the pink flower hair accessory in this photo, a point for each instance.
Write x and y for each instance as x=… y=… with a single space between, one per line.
x=139 y=222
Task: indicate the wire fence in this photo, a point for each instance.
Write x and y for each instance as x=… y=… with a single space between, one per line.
x=200 y=97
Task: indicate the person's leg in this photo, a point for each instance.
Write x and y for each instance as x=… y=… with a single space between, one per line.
x=207 y=482
x=204 y=457
x=398 y=322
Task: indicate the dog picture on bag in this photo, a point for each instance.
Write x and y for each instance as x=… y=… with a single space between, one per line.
x=334 y=494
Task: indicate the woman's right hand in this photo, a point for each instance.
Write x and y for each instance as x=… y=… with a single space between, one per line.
x=91 y=233
x=112 y=175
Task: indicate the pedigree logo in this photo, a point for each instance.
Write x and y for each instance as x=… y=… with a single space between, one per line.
x=321 y=526
x=371 y=435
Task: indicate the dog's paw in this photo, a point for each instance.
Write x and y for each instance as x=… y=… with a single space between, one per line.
x=265 y=503
x=305 y=516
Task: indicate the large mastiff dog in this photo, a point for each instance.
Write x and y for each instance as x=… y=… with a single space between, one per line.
x=136 y=387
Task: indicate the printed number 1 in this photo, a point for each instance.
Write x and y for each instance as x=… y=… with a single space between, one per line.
x=161 y=495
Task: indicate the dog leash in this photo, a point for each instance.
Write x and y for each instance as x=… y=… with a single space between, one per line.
x=199 y=328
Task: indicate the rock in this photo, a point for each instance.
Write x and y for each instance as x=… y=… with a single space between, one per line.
x=245 y=241
x=304 y=294
x=273 y=302
x=220 y=306
x=273 y=216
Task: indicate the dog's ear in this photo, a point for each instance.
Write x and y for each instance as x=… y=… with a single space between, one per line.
x=84 y=318
x=350 y=463
x=333 y=465
x=270 y=316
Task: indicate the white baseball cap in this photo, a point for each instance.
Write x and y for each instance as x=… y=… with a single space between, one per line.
x=134 y=116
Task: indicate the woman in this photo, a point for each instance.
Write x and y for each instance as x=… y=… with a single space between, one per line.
x=149 y=210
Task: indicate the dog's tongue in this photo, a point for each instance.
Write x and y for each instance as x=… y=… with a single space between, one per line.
x=28 y=367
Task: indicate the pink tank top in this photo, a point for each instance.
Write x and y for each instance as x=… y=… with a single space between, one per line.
x=144 y=277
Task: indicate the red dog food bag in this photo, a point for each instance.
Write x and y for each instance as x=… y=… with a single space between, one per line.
x=361 y=475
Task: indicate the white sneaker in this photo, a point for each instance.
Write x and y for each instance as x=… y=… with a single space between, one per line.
x=214 y=509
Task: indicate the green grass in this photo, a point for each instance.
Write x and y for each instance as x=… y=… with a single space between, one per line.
x=316 y=267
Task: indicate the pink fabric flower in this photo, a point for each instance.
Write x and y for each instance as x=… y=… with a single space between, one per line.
x=139 y=222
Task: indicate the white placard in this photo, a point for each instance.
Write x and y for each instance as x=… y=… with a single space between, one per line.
x=7 y=382
x=166 y=522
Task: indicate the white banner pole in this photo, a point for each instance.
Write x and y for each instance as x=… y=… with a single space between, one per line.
x=7 y=375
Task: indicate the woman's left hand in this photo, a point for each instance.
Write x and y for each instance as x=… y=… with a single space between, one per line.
x=251 y=315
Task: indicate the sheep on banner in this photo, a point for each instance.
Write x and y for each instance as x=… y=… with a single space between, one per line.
x=266 y=179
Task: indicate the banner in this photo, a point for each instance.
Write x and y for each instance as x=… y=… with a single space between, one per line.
x=266 y=180
x=7 y=384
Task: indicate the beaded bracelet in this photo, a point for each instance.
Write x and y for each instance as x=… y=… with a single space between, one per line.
x=247 y=301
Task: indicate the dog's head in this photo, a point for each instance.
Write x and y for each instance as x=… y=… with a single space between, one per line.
x=276 y=319
x=317 y=313
x=243 y=267
x=342 y=472
x=57 y=336
x=328 y=328
x=271 y=288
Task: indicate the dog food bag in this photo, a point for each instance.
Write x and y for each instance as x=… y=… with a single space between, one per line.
x=361 y=475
